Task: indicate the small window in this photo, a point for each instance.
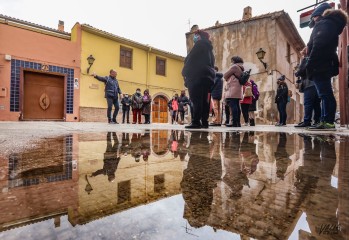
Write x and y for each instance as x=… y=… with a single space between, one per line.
x=126 y=57
x=160 y=66
x=288 y=56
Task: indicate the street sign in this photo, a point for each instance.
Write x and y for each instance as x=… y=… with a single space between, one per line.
x=305 y=16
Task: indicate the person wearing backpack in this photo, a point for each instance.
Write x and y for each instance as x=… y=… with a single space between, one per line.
x=253 y=106
x=246 y=101
x=233 y=89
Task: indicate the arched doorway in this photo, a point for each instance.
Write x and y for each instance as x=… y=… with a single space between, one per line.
x=159 y=110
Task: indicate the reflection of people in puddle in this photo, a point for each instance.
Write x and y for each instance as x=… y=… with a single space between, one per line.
x=111 y=158
x=173 y=143
x=314 y=179
x=281 y=156
x=182 y=145
x=145 y=145
x=249 y=158
x=235 y=177
x=125 y=145
x=199 y=180
x=136 y=146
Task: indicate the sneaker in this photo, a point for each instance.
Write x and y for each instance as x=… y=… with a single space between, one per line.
x=277 y=125
x=323 y=126
x=245 y=124
x=303 y=124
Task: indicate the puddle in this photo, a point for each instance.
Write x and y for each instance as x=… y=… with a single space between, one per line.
x=164 y=184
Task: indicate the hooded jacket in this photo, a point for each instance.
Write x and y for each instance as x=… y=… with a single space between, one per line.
x=217 y=88
x=322 y=46
x=199 y=62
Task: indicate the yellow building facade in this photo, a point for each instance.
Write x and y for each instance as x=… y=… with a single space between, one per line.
x=137 y=65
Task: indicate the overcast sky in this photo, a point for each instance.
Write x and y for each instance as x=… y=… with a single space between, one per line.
x=159 y=23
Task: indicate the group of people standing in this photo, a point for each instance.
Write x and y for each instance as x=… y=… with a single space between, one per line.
x=318 y=65
x=204 y=82
x=141 y=104
x=178 y=107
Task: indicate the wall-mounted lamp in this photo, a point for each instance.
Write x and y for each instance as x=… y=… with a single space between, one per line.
x=90 y=61
x=260 y=55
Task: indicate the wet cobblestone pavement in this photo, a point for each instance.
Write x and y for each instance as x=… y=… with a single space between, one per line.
x=176 y=184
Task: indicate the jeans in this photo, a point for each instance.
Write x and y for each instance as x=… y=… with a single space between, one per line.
x=126 y=113
x=282 y=112
x=311 y=104
x=328 y=102
x=111 y=102
x=234 y=104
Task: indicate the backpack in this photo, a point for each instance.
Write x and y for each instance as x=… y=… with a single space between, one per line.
x=245 y=75
x=248 y=91
x=255 y=91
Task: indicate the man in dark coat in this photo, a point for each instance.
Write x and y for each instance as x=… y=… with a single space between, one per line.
x=323 y=61
x=216 y=94
x=183 y=102
x=281 y=100
x=112 y=90
x=111 y=158
x=198 y=73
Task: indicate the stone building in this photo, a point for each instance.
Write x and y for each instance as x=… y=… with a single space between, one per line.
x=274 y=33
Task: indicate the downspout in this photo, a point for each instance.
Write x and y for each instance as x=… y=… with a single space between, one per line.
x=148 y=65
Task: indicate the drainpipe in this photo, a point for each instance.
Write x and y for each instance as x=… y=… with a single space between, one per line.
x=148 y=71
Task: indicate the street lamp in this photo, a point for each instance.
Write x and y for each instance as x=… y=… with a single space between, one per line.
x=260 y=55
x=90 y=61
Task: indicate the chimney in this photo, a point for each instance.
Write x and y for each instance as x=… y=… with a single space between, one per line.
x=60 y=26
x=247 y=13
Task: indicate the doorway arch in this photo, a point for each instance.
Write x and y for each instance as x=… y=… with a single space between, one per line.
x=159 y=109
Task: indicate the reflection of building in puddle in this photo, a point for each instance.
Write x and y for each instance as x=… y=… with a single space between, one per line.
x=147 y=173
x=41 y=183
x=266 y=205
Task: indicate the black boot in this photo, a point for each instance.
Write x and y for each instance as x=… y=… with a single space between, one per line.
x=252 y=123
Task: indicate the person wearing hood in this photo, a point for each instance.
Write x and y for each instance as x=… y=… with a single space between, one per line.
x=146 y=109
x=233 y=89
x=323 y=61
x=281 y=100
x=198 y=73
x=216 y=94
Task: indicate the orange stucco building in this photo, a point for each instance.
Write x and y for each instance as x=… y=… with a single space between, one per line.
x=39 y=72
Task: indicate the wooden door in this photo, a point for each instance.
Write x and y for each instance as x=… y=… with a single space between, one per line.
x=43 y=96
x=160 y=110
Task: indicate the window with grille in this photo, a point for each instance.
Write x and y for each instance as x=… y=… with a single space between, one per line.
x=126 y=57
x=160 y=66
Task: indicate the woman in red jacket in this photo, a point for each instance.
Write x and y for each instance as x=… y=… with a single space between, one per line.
x=246 y=101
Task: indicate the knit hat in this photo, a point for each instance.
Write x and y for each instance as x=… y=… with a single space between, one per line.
x=318 y=12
